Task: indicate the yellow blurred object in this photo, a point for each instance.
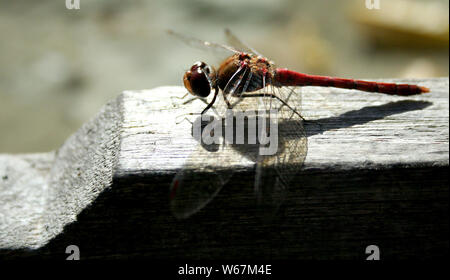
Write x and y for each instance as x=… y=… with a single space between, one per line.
x=404 y=23
x=420 y=67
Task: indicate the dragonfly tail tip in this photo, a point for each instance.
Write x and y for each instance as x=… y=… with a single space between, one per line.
x=424 y=89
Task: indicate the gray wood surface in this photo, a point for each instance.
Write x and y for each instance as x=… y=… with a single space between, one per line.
x=358 y=129
x=375 y=172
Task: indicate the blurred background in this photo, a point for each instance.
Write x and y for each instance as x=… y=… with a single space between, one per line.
x=59 y=66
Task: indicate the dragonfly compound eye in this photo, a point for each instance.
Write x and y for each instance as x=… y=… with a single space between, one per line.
x=197 y=81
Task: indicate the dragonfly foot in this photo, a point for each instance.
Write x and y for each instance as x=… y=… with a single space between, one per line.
x=185 y=118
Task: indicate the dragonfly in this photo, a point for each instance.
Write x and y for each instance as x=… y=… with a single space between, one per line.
x=245 y=80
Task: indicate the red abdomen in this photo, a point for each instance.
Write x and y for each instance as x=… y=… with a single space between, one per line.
x=285 y=77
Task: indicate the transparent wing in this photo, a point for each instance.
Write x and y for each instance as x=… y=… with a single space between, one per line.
x=197 y=43
x=197 y=184
x=234 y=41
x=291 y=132
x=208 y=168
x=275 y=173
x=275 y=170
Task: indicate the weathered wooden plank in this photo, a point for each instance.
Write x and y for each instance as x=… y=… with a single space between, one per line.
x=359 y=130
x=375 y=173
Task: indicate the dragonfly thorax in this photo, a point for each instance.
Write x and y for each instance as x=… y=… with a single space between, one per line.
x=243 y=72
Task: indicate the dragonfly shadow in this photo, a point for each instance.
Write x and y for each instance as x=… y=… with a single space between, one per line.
x=318 y=126
x=286 y=130
x=363 y=115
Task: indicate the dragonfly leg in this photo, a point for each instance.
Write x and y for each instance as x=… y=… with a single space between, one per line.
x=227 y=102
x=183 y=97
x=216 y=91
x=189 y=100
x=209 y=105
x=273 y=96
x=180 y=98
x=184 y=119
x=288 y=97
x=190 y=114
x=192 y=99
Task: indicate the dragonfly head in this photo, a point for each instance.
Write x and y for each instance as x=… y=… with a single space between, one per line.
x=198 y=79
